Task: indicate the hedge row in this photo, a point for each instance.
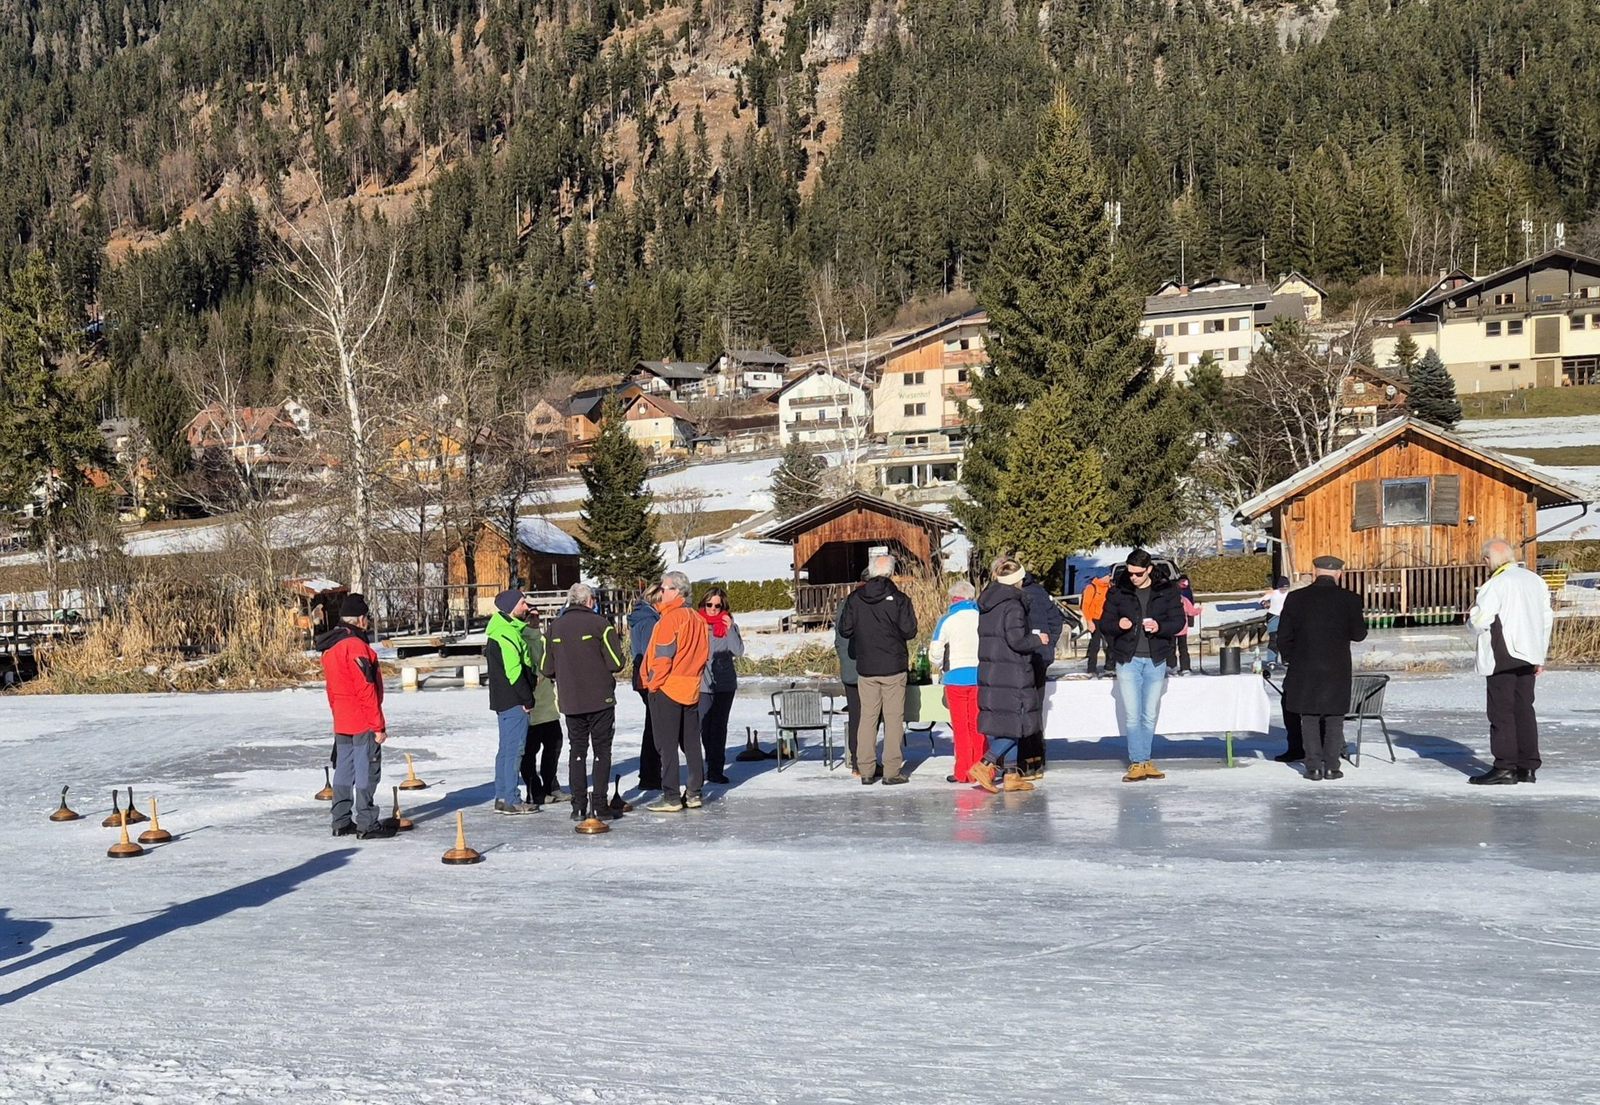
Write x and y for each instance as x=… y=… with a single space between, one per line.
x=1229 y=574
x=747 y=594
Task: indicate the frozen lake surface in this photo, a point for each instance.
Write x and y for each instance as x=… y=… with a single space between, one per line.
x=1222 y=936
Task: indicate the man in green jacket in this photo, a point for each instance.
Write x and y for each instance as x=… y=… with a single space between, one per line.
x=512 y=677
x=543 y=752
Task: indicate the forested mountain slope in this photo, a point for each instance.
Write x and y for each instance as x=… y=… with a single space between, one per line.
x=646 y=179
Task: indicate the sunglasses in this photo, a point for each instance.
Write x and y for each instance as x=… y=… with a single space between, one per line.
x=711 y=605
x=1138 y=573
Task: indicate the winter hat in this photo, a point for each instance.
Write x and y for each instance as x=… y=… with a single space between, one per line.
x=1007 y=571
x=354 y=606
x=506 y=601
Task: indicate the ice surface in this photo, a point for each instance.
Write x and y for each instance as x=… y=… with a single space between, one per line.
x=1223 y=936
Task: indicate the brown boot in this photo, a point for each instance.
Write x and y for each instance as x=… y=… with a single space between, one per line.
x=1151 y=771
x=1015 y=781
x=983 y=775
x=1135 y=773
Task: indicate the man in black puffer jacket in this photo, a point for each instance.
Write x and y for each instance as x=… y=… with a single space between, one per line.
x=1143 y=615
x=1009 y=708
x=878 y=621
x=583 y=657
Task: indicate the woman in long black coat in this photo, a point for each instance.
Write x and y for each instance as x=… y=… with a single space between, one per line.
x=1009 y=707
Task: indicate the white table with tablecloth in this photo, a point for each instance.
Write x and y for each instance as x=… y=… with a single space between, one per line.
x=1090 y=709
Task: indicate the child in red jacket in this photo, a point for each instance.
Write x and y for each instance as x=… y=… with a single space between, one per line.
x=355 y=692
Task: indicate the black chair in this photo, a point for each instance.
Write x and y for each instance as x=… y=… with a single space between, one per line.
x=1366 y=704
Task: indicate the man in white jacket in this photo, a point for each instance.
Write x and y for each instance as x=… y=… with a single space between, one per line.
x=1512 y=619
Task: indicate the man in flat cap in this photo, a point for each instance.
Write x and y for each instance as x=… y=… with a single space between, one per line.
x=1318 y=625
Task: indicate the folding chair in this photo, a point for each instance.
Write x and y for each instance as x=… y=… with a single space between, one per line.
x=1366 y=704
x=801 y=711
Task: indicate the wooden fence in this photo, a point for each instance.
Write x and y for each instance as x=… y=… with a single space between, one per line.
x=1444 y=591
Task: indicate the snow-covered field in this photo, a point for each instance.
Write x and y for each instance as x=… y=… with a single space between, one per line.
x=1222 y=936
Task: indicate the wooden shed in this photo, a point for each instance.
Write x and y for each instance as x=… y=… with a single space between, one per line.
x=547 y=560
x=833 y=542
x=1408 y=508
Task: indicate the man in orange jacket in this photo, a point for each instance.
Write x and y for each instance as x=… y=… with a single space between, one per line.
x=673 y=664
x=1093 y=605
x=355 y=693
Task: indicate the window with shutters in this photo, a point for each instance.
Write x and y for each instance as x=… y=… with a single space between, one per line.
x=1365 y=514
x=1446 y=500
x=1406 y=502
x=1546 y=335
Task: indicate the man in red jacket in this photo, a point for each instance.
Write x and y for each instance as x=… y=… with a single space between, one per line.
x=355 y=692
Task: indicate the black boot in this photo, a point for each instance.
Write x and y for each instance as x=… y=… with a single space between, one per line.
x=1495 y=777
x=1333 y=773
x=1314 y=774
x=1527 y=775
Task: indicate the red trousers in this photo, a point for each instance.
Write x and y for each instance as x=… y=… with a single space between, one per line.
x=970 y=745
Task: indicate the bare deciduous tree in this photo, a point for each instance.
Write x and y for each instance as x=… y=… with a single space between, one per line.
x=683 y=511
x=343 y=281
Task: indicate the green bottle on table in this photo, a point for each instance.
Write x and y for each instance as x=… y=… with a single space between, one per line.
x=922 y=670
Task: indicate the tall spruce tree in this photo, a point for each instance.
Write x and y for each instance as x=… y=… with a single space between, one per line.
x=1064 y=316
x=1405 y=355
x=797 y=481
x=618 y=545
x=48 y=438
x=1432 y=397
x=1052 y=499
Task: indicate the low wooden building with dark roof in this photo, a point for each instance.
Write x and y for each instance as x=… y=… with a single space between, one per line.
x=833 y=542
x=1408 y=508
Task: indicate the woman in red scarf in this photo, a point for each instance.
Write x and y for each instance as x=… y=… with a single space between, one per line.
x=720 y=681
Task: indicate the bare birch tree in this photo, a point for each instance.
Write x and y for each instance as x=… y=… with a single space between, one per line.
x=343 y=282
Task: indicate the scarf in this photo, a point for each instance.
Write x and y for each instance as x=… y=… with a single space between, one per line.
x=718 y=622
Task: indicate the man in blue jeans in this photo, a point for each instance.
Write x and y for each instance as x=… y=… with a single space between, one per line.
x=1142 y=618
x=511 y=681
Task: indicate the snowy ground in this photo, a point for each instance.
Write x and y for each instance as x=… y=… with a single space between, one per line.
x=1223 y=936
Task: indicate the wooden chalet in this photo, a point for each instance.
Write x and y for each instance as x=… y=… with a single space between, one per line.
x=1408 y=508
x=547 y=560
x=833 y=542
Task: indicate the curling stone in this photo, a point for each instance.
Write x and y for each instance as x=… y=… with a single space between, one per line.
x=326 y=793
x=124 y=848
x=155 y=834
x=411 y=782
x=64 y=814
x=134 y=816
x=461 y=853
x=402 y=823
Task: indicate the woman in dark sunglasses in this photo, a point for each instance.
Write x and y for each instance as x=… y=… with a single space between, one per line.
x=720 y=681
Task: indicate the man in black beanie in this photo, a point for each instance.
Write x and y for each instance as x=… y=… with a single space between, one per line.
x=355 y=693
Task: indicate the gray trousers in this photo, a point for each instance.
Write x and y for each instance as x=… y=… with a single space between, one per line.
x=357 y=766
x=881 y=696
x=1324 y=737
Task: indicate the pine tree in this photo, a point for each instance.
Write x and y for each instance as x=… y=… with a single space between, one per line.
x=1405 y=356
x=48 y=437
x=619 y=532
x=1052 y=499
x=1432 y=397
x=1064 y=317
x=797 y=481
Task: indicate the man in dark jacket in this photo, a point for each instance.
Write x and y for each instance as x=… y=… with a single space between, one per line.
x=1315 y=631
x=1009 y=709
x=355 y=694
x=1044 y=621
x=1143 y=615
x=583 y=657
x=511 y=681
x=878 y=621
x=641 y=623
x=844 y=651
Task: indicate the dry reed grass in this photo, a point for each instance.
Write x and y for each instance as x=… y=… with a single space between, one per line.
x=1575 y=641
x=174 y=635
